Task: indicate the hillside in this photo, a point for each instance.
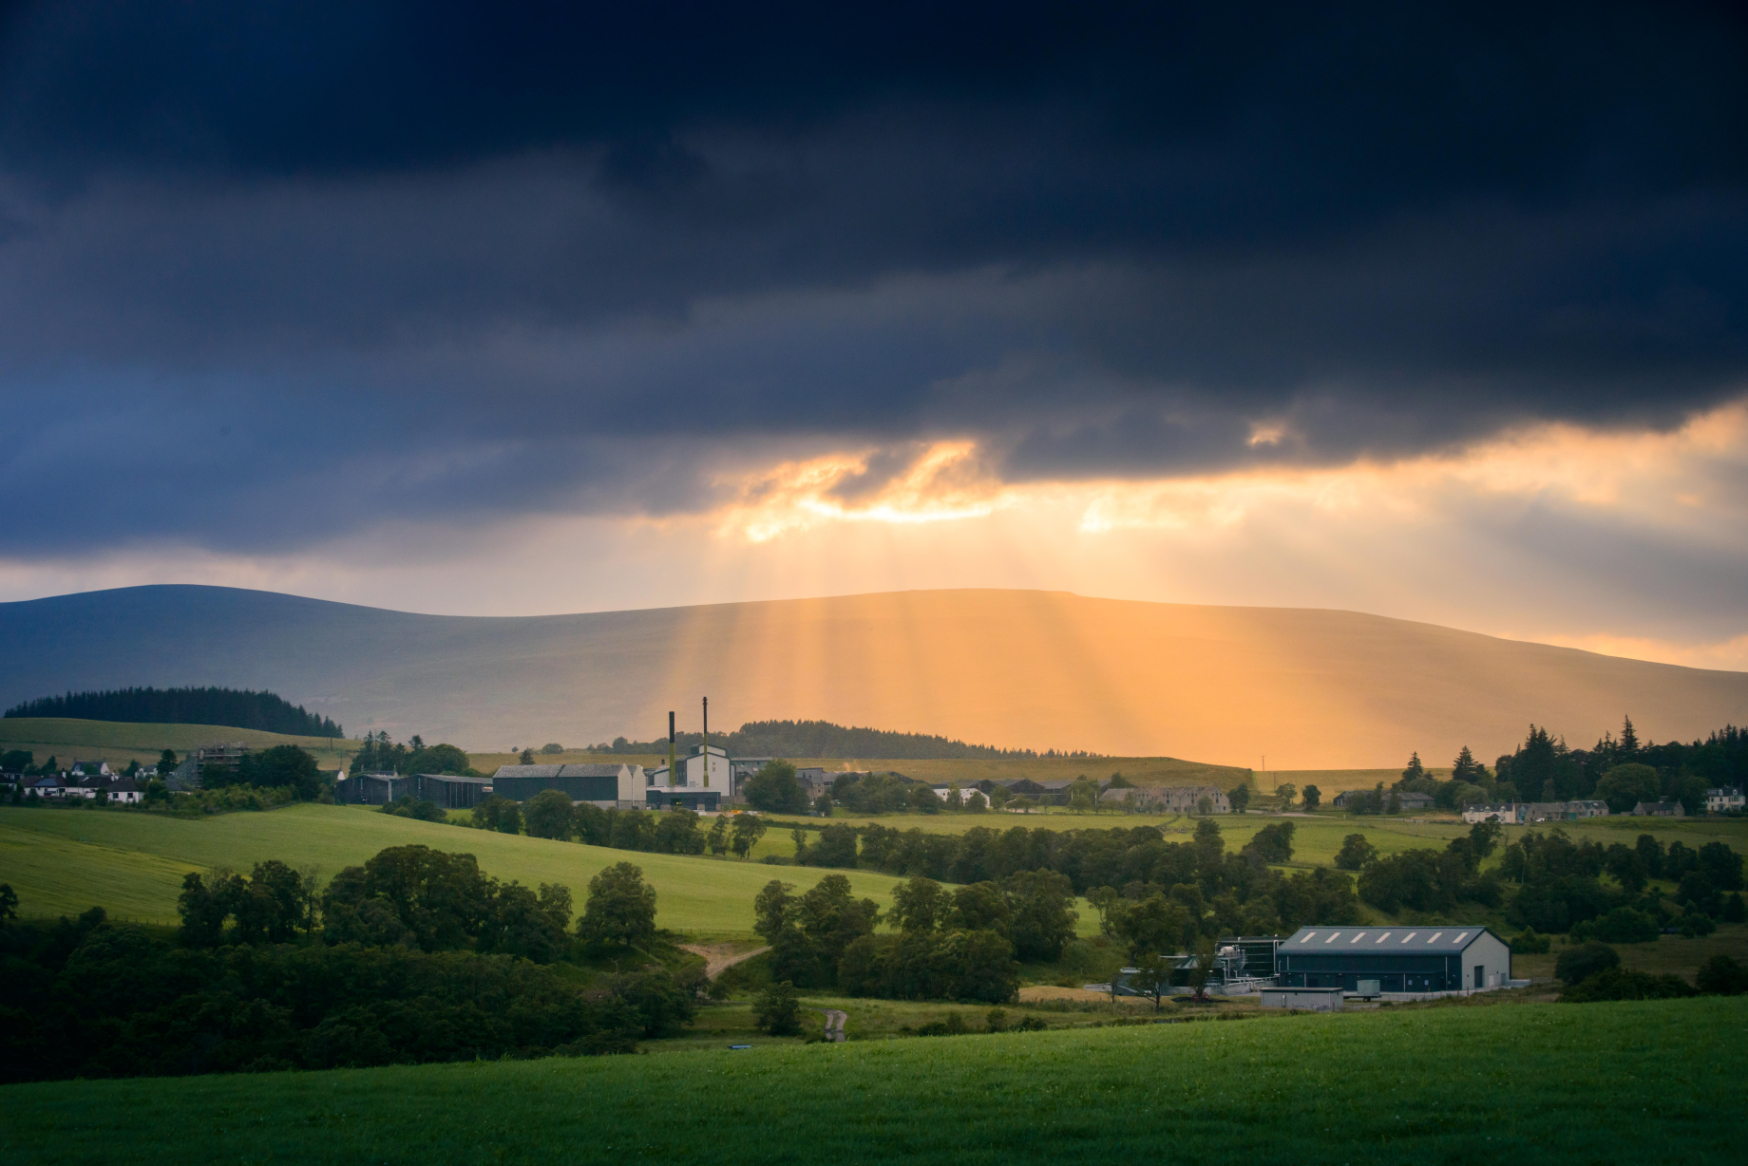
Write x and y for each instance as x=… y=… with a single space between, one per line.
x=118 y=742
x=1226 y=685
x=131 y=864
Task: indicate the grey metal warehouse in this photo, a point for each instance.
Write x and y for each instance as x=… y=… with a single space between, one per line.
x=1401 y=959
x=604 y=785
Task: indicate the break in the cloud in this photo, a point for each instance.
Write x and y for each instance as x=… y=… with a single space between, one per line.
x=1127 y=293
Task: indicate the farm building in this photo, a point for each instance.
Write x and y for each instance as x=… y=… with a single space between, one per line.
x=449 y=790
x=1400 y=959
x=371 y=789
x=1660 y=810
x=607 y=786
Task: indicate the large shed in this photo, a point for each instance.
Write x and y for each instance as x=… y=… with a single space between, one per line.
x=1436 y=958
x=604 y=785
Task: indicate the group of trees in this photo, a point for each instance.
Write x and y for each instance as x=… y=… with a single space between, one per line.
x=380 y=754
x=1426 y=880
x=551 y=814
x=959 y=945
x=1556 y=883
x=414 y=957
x=280 y=767
x=1621 y=772
x=229 y=707
x=415 y=897
x=1592 y=972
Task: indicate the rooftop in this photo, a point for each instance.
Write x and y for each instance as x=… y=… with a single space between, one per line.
x=1435 y=940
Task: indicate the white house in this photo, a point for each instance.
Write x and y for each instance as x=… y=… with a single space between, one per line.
x=968 y=796
x=1506 y=814
x=1724 y=801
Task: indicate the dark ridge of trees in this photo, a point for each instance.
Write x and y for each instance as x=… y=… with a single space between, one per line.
x=230 y=707
x=824 y=739
x=415 y=957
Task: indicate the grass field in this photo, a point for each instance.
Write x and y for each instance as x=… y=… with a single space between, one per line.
x=63 y=861
x=1517 y=1083
x=119 y=742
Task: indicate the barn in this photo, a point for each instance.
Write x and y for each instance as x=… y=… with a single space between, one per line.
x=1437 y=958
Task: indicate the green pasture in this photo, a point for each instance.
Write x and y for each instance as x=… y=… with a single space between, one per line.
x=119 y=742
x=61 y=861
x=1518 y=1083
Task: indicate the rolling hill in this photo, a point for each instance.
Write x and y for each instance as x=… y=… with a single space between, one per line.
x=1308 y=688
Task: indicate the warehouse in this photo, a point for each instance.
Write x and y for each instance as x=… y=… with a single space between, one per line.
x=1395 y=959
x=449 y=791
x=607 y=786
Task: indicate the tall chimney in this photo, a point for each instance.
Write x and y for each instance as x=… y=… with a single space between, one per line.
x=671 y=781
x=706 y=740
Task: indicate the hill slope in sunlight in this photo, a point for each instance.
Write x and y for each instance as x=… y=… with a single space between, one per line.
x=1311 y=689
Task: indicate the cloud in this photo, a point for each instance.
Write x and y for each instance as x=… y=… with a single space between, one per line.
x=278 y=276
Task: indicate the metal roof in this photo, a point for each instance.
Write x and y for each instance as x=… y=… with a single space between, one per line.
x=558 y=771
x=1443 y=939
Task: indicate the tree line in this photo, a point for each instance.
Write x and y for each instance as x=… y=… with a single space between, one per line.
x=1556 y=885
x=414 y=957
x=230 y=707
x=1620 y=771
x=825 y=739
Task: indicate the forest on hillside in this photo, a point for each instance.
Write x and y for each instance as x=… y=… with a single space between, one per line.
x=230 y=707
x=825 y=739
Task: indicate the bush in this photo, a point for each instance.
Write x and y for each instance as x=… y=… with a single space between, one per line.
x=1695 y=924
x=1722 y=976
x=1580 y=963
x=1734 y=910
x=778 y=1010
x=1355 y=852
x=1529 y=943
x=1621 y=925
x=1620 y=984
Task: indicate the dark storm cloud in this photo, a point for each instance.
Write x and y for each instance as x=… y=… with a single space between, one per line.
x=434 y=261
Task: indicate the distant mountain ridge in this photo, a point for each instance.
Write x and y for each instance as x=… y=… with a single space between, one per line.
x=1015 y=669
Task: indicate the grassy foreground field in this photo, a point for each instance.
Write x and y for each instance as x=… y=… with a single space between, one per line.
x=63 y=861
x=1643 y=1082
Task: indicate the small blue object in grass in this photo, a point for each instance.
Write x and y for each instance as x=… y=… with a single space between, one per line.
x=740 y=1046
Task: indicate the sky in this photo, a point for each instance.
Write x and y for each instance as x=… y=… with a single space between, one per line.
x=1433 y=311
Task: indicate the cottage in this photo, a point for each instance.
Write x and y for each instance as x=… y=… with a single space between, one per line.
x=1505 y=813
x=1188 y=800
x=1660 y=810
x=1436 y=958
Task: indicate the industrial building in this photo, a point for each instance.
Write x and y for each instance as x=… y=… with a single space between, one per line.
x=607 y=786
x=371 y=789
x=1436 y=958
x=450 y=791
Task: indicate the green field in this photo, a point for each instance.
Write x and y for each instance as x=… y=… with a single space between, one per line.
x=61 y=861
x=119 y=742
x=1514 y=1083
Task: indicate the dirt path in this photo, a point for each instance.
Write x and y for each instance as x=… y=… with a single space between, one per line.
x=719 y=957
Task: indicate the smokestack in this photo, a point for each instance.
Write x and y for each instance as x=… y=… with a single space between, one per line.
x=706 y=740
x=671 y=781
